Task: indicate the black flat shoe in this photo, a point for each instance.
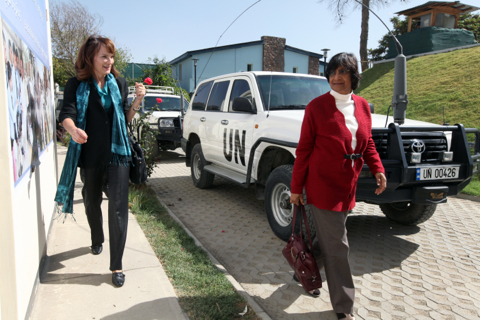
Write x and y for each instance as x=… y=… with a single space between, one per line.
x=118 y=279
x=97 y=249
x=314 y=293
x=342 y=316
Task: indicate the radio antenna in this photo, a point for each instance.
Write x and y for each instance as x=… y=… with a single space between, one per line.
x=222 y=35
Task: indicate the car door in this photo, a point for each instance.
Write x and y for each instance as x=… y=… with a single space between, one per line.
x=212 y=118
x=236 y=129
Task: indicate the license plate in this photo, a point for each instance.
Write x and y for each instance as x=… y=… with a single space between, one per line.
x=435 y=173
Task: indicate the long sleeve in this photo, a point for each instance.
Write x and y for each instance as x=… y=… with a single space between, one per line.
x=303 y=152
x=371 y=157
x=69 y=108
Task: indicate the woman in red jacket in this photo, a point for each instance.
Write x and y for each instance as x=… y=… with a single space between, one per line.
x=334 y=142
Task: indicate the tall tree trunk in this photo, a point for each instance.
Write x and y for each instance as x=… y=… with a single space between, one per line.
x=364 y=36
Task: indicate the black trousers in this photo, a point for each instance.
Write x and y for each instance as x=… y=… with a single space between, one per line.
x=94 y=179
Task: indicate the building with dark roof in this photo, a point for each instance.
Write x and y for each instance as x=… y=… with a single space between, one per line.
x=267 y=54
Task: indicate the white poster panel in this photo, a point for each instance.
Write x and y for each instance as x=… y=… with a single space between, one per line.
x=29 y=96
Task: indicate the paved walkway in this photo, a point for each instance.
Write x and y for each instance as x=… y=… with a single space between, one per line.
x=77 y=285
x=427 y=272
x=431 y=271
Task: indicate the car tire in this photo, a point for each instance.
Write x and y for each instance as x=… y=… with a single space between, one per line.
x=277 y=204
x=201 y=178
x=408 y=213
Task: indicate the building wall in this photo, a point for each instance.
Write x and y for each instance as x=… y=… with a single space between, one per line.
x=272 y=55
x=294 y=59
x=248 y=55
x=221 y=62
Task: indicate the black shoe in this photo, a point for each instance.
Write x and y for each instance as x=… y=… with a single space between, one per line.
x=118 y=279
x=314 y=293
x=97 y=249
x=341 y=316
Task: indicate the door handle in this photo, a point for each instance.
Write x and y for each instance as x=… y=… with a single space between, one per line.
x=225 y=122
x=203 y=119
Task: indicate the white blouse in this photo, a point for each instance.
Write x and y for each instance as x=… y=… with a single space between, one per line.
x=345 y=105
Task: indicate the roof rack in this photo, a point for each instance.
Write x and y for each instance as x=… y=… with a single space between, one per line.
x=154 y=89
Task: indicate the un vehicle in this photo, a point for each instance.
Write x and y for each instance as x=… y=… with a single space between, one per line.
x=164 y=109
x=245 y=127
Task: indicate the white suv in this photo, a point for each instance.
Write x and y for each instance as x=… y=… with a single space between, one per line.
x=165 y=115
x=245 y=127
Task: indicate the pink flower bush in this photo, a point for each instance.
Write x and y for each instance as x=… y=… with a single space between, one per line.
x=148 y=81
x=159 y=100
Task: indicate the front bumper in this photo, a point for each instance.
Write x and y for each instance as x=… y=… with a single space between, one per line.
x=168 y=134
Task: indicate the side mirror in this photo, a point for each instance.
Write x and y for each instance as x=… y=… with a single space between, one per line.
x=372 y=109
x=243 y=105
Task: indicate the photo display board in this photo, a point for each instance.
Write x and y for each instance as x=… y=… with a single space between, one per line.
x=29 y=100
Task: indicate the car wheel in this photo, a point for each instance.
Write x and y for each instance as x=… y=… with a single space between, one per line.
x=201 y=178
x=408 y=213
x=277 y=203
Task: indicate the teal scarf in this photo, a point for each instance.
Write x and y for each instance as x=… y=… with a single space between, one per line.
x=120 y=147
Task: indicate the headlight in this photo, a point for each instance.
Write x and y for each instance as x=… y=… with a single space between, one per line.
x=165 y=123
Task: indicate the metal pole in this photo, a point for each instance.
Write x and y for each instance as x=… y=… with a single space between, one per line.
x=195 y=71
x=325 y=61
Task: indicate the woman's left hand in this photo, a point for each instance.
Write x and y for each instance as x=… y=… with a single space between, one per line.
x=381 y=182
x=139 y=90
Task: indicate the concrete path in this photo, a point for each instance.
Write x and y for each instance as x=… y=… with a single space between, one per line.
x=430 y=271
x=77 y=285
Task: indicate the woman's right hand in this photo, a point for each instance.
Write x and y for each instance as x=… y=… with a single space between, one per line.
x=79 y=136
x=297 y=198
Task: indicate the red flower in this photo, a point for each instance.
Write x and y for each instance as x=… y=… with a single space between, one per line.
x=148 y=81
x=159 y=100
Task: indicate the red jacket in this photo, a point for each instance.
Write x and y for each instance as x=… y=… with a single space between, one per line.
x=329 y=179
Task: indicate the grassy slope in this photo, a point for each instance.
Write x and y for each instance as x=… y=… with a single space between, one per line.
x=450 y=80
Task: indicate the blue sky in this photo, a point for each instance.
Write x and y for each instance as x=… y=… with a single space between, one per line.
x=167 y=29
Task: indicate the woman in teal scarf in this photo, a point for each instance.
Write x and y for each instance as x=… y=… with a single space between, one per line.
x=95 y=113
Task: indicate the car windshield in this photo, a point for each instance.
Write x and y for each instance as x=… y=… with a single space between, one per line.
x=162 y=103
x=290 y=92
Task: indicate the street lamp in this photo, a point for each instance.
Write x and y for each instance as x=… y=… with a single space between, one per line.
x=325 y=61
x=195 y=72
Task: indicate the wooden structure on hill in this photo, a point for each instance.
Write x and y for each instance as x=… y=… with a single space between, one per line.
x=440 y=14
x=432 y=27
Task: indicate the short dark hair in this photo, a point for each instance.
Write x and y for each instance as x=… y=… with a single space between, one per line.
x=86 y=54
x=348 y=61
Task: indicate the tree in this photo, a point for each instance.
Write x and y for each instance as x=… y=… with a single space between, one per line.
x=122 y=58
x=339 y=7
x=399 y=27
x=71 y=24
x=470 y=22
x=161 y=75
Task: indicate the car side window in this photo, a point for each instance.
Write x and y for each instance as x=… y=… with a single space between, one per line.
x=201 y=96
x=240 y=88
x=217 y=97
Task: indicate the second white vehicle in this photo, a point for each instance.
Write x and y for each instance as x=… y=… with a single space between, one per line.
x=164 y=108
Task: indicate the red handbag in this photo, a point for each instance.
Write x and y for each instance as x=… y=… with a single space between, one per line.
x=300 y=256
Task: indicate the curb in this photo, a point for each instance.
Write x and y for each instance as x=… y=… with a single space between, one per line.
x=256 y=307
x=467 y=197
